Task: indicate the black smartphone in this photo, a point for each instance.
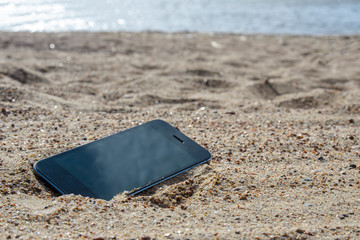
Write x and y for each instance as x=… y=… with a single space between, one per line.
x=132 y=160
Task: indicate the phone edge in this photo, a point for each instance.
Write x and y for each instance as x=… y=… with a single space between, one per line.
x=46 y=180
x=171 y=176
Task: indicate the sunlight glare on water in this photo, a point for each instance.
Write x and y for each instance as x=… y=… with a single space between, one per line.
x=235 y=16
x=40 y=15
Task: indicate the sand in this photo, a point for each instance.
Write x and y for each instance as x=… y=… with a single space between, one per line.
x=280 y=115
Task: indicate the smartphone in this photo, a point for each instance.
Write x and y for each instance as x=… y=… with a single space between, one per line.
x=132 y=160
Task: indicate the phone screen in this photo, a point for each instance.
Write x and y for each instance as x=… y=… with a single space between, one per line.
x=125 y=161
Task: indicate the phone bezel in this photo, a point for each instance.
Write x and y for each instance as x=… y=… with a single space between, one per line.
x=63 y=182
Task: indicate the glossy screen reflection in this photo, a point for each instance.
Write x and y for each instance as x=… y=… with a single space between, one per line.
x=125 y=161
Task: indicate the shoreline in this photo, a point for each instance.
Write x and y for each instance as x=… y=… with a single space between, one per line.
x=353 y=34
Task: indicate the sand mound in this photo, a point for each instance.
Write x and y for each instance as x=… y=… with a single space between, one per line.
x=21 y=74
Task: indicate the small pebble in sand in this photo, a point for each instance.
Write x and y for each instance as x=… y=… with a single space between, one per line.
x=352 y=166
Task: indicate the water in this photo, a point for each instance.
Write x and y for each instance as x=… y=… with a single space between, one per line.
x=317 y=17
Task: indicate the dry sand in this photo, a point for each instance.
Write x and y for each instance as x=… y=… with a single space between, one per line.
x=280 y=114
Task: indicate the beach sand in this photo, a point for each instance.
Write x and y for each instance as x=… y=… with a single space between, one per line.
x=280 y=115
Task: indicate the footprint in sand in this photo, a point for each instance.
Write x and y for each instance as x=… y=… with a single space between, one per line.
x=21 y=74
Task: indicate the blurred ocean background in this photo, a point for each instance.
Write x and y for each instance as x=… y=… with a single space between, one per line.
x=309 y=17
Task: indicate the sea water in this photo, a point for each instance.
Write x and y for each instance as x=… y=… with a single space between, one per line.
x=316 y=17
